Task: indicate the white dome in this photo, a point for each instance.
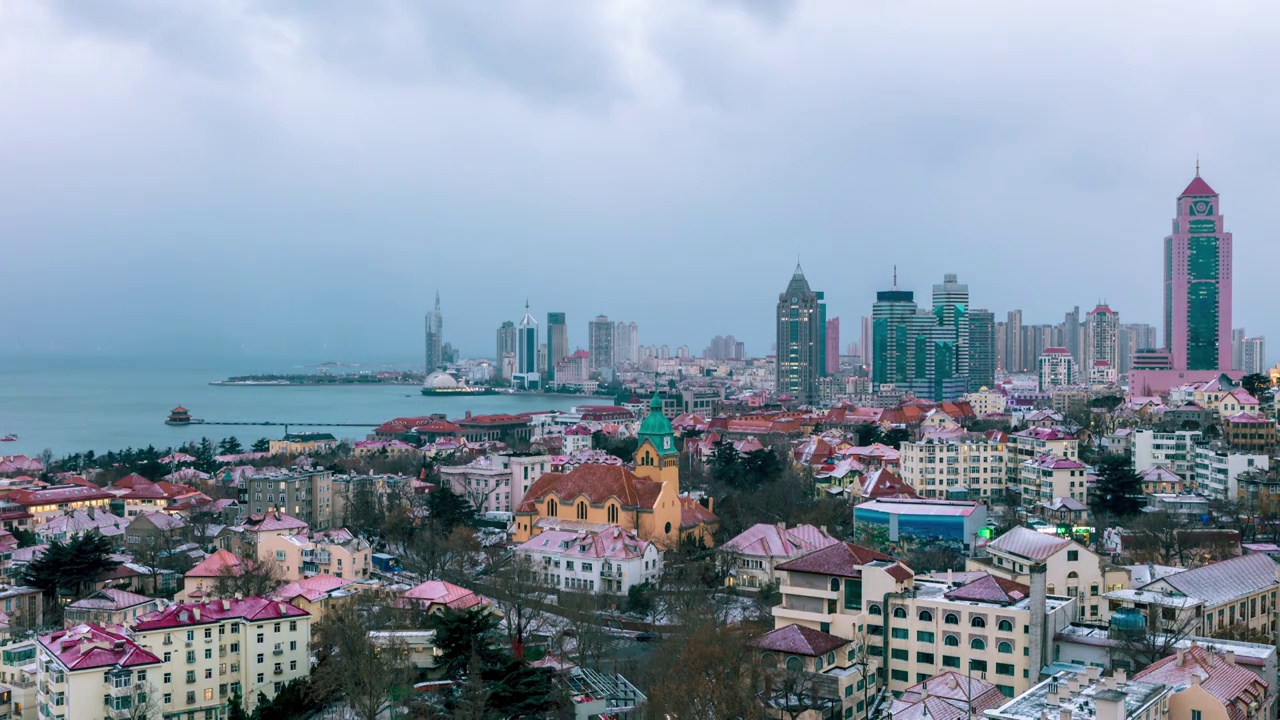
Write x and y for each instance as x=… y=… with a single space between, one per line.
x=440 y=380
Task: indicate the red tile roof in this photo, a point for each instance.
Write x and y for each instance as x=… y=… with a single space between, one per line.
x=842 y=559
x=947 y=696
x=252 y=609
x=56 y=494
x=1028 y=543
x=274 y=521
x=990 y=589
x=693 y=514
x=598 y=483
x=85 y=647
x=1198 y=187
x=218 y=564
x=438 y=592
x=800 y=640
x=1232 y=684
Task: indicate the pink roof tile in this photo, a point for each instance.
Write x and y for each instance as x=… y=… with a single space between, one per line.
x=844 y=559
x=1028 y=543
x=255 y=608
x=1232 y=684
x=1198 y=186
x=990 y=589
x=312 y=588
x=85 y=647
x=765 y=540
x=218 y=564
x=800 y=640
x=437 y=592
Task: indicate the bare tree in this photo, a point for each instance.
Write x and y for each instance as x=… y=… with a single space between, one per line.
x=250 y=577
x=1158 y=639
x=709 y=671
x=1157 y=537
x=141 y=704
x=362 y=671
x=588 y=637
x=523 y=594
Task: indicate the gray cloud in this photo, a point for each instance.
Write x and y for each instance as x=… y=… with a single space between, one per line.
x=336 y=163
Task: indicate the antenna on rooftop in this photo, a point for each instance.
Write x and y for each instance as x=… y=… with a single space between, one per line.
x=1197 y=164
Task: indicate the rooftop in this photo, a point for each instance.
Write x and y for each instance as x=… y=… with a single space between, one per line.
x=800 y=640
x=1075 y=694
x=86 y=647
x=843 y=559
x=252 y=609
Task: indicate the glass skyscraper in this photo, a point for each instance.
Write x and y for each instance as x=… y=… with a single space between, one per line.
x=1197 y=282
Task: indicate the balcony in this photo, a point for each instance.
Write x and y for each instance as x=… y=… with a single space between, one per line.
x=820 y=593
x=278 y=671
x=278 y=651
x=800 y=616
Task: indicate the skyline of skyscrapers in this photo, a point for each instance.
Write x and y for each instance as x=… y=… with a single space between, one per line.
x=801 y=317
x=506 y=349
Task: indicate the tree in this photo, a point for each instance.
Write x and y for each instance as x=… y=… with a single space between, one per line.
x=142 y=705
x=590 y=639
x=235 y=707
x=1157 y=639
x=447 y=510
x=1119 y=489
x=251 y=577
x=466 y=641
x=364 y=673
x=70 y=568
x=640 y=598
x=522 y=594
x=709 y=670
x=1256 y=384
x=1158 y=538
x=230 y=446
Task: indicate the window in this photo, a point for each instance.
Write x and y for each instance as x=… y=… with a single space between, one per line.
x=1005 y=648
x=978 y=644
x=951 y=641
x=899 y=612
x=582 y=510
x=899 y=675
x=899 y=634
x=950 y=661
x=208 y=653
x=898 y=654
x=293 y=625
x=613 y=514
x=168 y=678
x=1005 y=626
x=552 y=508
x=924 y=657
x=1073 y=555
x=795 y=664
x=873 y=610
x=978 y=665
x=168 y=698
x=924 y=636
x=835 y=584
x=951 y=619
x=926 y=616
x=1093 y=589
x=1196 y=715
x=977 y=621
x=259 y=657
x=1004 y=669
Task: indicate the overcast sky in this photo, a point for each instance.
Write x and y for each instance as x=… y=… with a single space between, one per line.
x=298 y=178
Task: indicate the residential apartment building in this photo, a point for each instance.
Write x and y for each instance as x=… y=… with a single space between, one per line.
x=496 y=483
x=304 y=494
x=1033 y=442
x=110 y=606
x=1205 y=683
x=753 y=555
x=1047 y=477
x=1239 y=593
x=987 y=402
x=86 y=671
x=1070 y=568
x=305 y=443
x=1174 y=450
x=48 y=502
x=1248 y=432
x=608 y=561
x=1216 y=471
x=1085 y=695
x=210 y=651
x=332 y=552
x=920 y=627
x=1056 y=368
x=955 y=469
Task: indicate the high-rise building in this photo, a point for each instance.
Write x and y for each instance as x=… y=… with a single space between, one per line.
x=1057 y=368
x=435 y=338
x=1068 y=334
x=866 y=347
x=801 y=319
x=982 y=349
x=1132 y=338
x=1237 y=347
x=833 y=346
x=527 y=344
x=600 y=343
x=1002 y=340
x=506 y=346
x=1197 y=282
x=725 y=348
x=1102 y=338
x=626 y=343
x=1253 y=355
x=890 y=342
x=557 y=338
x=1013 y=358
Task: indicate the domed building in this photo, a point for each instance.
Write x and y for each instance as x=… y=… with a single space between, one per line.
x=440 y=380
x=645 y=500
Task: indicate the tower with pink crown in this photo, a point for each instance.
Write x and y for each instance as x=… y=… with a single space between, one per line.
x=1197 y=282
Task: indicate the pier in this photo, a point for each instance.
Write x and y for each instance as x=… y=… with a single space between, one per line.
x=180 y=417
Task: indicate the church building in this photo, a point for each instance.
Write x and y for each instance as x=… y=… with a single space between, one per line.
x=646 y=500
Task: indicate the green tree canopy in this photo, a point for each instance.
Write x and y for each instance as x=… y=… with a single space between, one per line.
x=1119 y=488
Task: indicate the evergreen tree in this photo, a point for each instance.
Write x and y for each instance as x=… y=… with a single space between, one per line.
x=230 y=446
x=69 y=568
x=1119 y=488
x=235 y=708
x=260 y=445
x=448 y=510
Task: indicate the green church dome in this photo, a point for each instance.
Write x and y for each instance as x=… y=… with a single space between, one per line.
x=657 y=428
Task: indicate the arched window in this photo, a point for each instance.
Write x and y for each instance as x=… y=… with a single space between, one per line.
x=769 y=660
x=817 y=663
x=1073 y=575
x=977 y=621
x=613 y=514
x=1005 y=626
x=899 y=612
x=1093 y=589
x=978 y=644
x=1005 y=648
x=835 y=584
x=668 y=529
x=1049 y=590
x=873 y=610
x=582 y=510
x=552 y=507
x=831 y=658
x=951 y=619
x=951 y=641
x=926 y=616
x=795 y=664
